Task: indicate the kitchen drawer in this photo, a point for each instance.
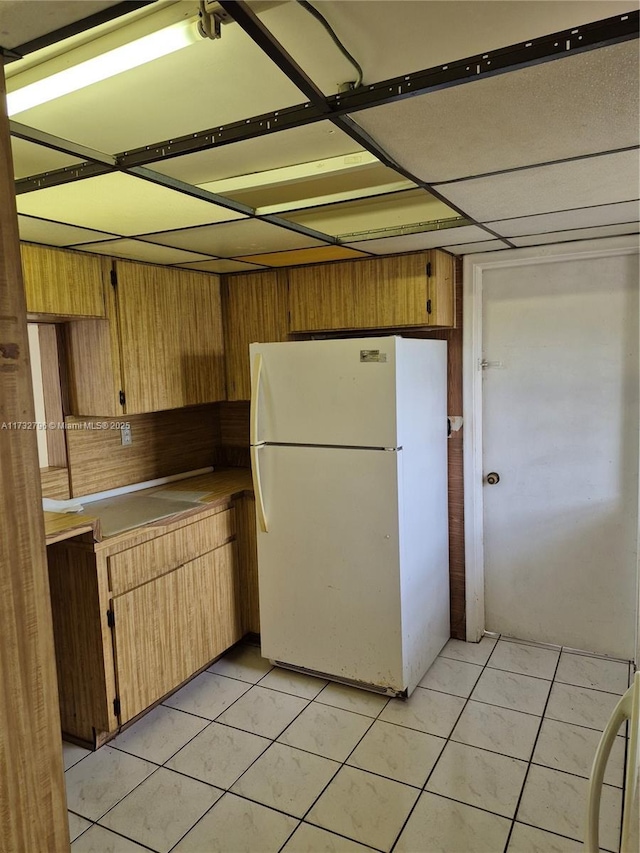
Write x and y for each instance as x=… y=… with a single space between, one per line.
x=154 y=558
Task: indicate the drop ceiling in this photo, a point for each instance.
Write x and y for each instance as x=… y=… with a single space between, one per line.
x=542 y=153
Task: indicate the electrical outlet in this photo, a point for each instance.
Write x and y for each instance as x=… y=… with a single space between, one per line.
x=125 y=432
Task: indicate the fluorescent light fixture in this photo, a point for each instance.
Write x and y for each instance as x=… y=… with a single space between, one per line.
x=124 y=58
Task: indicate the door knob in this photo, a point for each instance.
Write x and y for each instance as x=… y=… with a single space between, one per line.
x=493 y=478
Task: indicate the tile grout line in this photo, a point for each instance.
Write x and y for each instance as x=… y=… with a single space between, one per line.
x=533 y=750
x=447 y=741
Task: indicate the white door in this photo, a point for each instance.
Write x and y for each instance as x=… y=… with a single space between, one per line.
x=560 y=428
x=328 y=568
x=338 y=392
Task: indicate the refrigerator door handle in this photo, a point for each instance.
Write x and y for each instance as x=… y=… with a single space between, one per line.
x=255 y=398
x=257 y=485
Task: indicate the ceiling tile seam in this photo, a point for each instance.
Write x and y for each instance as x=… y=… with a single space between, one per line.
x=307 y=113
x=577 y=228
x=577 y=239
x=565 y=210
x=57 y=143
x=348 y=125
x=111 y=234
x=559 y=161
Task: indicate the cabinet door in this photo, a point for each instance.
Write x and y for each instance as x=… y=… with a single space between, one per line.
x=171 y=627
x=171 y=337
x=256 y=310
x=67 y=284
x=377 y=293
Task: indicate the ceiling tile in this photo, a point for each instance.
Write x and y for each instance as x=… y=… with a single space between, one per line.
x=349 y=219
x=605 y=214
x=544 y=189
x=235 y=239
x=312 y=142
x=578 y=234
x=31 y=159
x=390 y=39
x=223 y=265
x=481 y=246
x=305 y=256
x=533 y=115
x=121 y=204
x=43 y=17
x=421 y=240
x=138 y=250
x=55 y=233
x=207 y=84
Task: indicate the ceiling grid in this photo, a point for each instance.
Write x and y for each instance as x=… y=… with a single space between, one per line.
x=527 y=144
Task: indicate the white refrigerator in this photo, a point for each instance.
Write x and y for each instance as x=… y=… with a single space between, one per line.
x=349 y=459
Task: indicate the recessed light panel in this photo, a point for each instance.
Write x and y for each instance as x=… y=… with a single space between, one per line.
x=421 y=240
x=121 y=204
x=579 y=183
x=349 y=219
x=236 y=239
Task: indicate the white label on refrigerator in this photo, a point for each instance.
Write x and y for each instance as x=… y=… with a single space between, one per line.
x=373 y=355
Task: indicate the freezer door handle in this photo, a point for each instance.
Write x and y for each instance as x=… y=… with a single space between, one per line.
x=255 y=398
x=257 y=486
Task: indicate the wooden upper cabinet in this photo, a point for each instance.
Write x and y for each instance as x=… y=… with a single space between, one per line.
x=171 y=341
x=65 y=284
x=376 y=293
x=255 y=310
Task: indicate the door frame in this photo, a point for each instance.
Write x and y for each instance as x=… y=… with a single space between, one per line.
x=474 y=267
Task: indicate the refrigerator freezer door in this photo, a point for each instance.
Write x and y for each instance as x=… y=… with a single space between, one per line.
x=338 y=392
x=329 y=565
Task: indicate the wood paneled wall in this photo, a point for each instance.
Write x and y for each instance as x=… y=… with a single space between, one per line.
x=164 y=443
x=456 y=481
x=233 y=419
x=33 y=814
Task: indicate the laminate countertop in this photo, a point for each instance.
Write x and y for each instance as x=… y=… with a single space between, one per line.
x=137 y=511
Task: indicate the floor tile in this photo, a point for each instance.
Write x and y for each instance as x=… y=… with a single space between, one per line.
x=244 y=662
x=287 y=779
x=312 y=839
x=524 y=659
x=563 y=746
x=296 y=683
x=162 y=809
x=479 y=778
x=469 y=652
x=100 y=840
x=425 y=710
x=498 y=729
x=219 y=755
x=330 y=732
x=528 y=839
x=159 y=734
x=557 y=802
x=597 y=673
x=103 y=778
x=72 y=753
x=510 y=690
x=452 y=676
x=366 y=808
x=352 y=699
x=77 y=825
x=405 y=755
x=238 y=825
x=581 y=706
x=207 y=695
x=438 y=825
x=263 y=712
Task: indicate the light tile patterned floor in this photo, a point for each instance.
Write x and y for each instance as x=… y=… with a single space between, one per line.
x=491 y=754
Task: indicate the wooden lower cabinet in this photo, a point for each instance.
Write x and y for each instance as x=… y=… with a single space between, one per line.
x=123 y=640
x=167 y=629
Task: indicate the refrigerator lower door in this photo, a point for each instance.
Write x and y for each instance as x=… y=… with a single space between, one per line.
x=328 y=568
